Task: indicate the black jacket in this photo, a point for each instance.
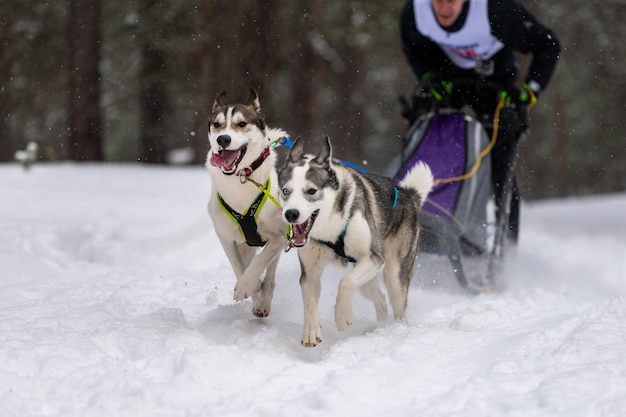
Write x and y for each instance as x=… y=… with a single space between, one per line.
x=513 y=25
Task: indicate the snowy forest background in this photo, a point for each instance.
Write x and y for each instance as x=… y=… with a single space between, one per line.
x=134 y=81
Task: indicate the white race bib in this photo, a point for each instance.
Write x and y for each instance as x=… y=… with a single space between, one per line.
x=473 y=42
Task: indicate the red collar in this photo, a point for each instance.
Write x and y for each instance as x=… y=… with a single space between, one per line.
x=246 y=172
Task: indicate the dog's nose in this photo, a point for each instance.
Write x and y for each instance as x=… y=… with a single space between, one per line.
x=223 y=141
x=292 y=215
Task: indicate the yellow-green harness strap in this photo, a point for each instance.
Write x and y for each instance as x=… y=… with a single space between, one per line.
x=247 y=222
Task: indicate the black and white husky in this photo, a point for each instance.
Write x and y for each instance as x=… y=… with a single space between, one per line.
x=243 y=205
x=338 y=213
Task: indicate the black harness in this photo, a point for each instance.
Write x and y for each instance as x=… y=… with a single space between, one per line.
x=247 y=221
x=338 y=246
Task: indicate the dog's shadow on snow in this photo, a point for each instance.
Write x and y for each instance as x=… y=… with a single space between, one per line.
x=234 y=325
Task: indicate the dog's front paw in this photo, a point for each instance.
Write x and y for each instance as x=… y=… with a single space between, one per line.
x=343 y=324
x=343 y=312
x=343 y=318
x=261 y=311
x=245 y=289
x=312 y=336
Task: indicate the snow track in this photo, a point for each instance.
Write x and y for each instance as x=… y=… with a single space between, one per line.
x=116 y=299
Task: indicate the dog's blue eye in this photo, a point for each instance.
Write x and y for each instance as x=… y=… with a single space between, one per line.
x=285 y=191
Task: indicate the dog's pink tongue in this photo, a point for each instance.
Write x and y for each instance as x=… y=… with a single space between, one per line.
x=224 y=159
x=299 y=234
x=217 y=160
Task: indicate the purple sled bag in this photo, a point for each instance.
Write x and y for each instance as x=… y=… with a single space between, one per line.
x=449 y=143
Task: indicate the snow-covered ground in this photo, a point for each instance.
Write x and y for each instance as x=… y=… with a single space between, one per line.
x=115 y=300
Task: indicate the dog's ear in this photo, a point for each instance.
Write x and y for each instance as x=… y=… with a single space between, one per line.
x=323 y=157
x=220 y=101
x=253 y=101
x=296 y=152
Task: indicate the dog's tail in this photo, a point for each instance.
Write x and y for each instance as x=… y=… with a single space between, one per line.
x=276 y=135
x=420 y=179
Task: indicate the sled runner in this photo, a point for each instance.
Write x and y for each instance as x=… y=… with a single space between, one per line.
x=459 y=219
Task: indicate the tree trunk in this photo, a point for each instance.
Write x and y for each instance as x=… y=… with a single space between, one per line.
x=204 y=94
x=307 y=77
x=153 y=105
x=350 y=144
x=261 y=35
x=561 y=152
x=84 y=133
x=6 y=149
x=227 y=48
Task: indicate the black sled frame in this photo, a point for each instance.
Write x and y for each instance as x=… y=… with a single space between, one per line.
x=475 y=269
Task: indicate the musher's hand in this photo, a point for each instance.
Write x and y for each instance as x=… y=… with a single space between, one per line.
x=435 y=87
x=523 y=97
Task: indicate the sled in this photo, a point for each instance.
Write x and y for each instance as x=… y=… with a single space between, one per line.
x=459 y=219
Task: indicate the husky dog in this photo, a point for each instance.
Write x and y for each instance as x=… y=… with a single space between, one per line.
x=338 y=213
x=243 y=208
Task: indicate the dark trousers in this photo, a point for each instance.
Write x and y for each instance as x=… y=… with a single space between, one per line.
x=512 y=124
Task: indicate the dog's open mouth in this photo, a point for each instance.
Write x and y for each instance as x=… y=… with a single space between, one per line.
x=228 y=160
x=300 y=232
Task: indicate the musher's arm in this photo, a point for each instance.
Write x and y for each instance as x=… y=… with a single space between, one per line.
x=515 y=27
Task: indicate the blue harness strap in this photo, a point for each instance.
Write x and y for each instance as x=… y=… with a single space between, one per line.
x=394 y=197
